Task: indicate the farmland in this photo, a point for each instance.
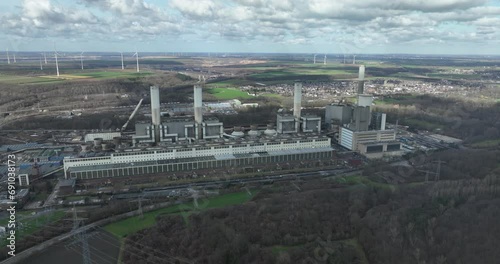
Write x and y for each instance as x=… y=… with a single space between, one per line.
x=228 y=93
x=43 y=79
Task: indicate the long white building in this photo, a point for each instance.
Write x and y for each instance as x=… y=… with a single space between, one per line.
x=228 y=151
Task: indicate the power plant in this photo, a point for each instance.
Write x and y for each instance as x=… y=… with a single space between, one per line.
x=198 y=142
x=351 y=125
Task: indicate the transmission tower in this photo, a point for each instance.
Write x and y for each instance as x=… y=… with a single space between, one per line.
x=438 y=169
x=80 y=237
x=139 y=201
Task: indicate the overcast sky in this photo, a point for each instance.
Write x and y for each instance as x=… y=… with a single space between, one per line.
x=315 y=26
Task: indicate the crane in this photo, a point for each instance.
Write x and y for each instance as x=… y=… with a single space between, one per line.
x=132 y=115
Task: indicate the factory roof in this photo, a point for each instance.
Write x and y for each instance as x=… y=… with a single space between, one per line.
x=42 y=168
x=66 y=183
x=380 y=142
x=15 y=147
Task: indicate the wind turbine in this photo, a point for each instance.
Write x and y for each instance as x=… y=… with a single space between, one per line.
x=136 y=55
x=81 y=58
x=344 y=58
x=45 y=57
x=353 y=59
x=41 y=65
x=324 y=60
x=8 y=58
x=14 y=58
x=57 y=63
x=121 y=54
x=315 y=58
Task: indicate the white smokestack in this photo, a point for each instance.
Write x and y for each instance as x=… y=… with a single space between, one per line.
x=382 y=125
x=365 y=100
x=198 y=109
x=198 y=104
x=297 y=103
x=361 y=77
x=155 y=111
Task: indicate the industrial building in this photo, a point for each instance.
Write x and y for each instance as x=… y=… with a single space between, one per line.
x=24 y=180
x=190 y=143
x=358 y=129
x=376 y=139
x=197 y=142
x=296 y=123
x=203 y=157
x=103 y=136
x=176 y=129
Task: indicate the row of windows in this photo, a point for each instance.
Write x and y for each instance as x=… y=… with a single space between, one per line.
x=133 y=153
x=86 y=159
x=197 y=165
x=221 y=148
x=184 y=150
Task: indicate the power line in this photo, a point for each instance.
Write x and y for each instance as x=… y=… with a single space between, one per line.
x=151 y=248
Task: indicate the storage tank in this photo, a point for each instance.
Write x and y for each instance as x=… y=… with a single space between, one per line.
x=85 y=148
x=253 y=131
x=270 y=131
x=106 y=146
x=237 y=132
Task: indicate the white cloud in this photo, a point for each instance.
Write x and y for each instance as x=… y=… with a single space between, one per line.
x=204 y=9
x=351 y=24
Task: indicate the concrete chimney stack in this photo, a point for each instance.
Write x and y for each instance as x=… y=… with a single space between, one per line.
x=198 y=109
x=382 y=125
x=361 y=77
x=155 y=111
x=297 y=103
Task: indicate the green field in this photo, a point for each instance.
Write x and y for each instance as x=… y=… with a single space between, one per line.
x=75 y=198
x=32 y=223
x=113 y=74
x=134 y=224
x=228 y=93
x=22 y=79
x=304 y=71
x=18 y=79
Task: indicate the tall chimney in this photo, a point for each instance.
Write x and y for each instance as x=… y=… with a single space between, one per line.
x=155 y=111
x=198 y=109
x=361 y=77
x=382 y=125
x=297 y=103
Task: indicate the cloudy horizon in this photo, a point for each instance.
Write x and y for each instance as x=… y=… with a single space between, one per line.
x=260 y=26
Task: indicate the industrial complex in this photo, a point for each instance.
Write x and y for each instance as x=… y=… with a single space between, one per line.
x=197 y=143
x=169 y=145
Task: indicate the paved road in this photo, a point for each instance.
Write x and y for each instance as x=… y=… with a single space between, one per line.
x=51 y=199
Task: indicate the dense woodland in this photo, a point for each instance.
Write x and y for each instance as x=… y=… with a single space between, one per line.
x=453 y=220
x=471 y=120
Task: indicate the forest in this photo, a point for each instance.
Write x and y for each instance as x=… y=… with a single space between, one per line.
x=470 y=120
x=355 y=219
